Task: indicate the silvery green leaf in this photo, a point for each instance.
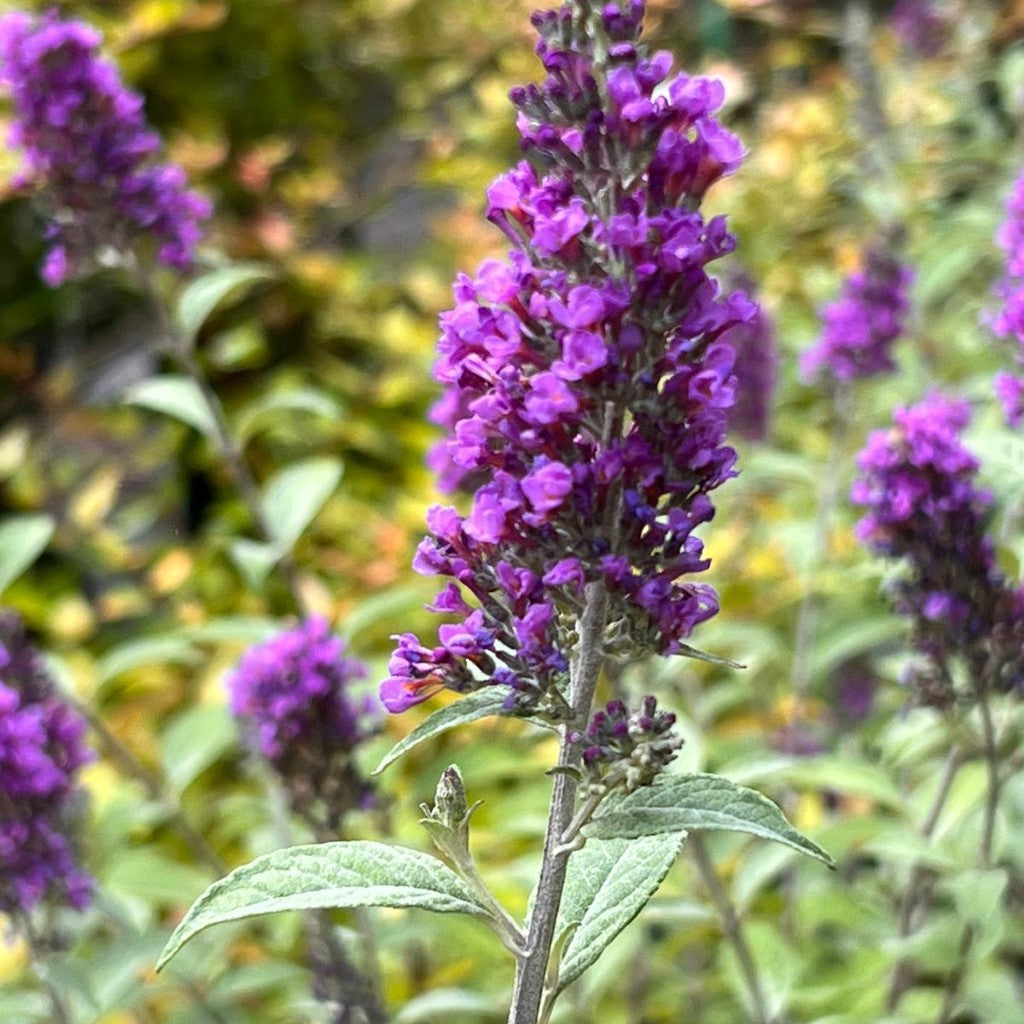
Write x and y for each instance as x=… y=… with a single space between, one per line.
x=293 y=497
x=480 y=704
x=22 y=540
x=174 y=395
x=206 y=293
x=308 y=400
x=685 y=803
x=323 y=876
x=607 y=884
x=254 y=559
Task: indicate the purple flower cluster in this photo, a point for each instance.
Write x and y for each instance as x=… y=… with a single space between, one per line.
x=1009 y=321
x=586 y=380
x=41 y=751
x=86 y=142
x=626 y=750
x=293 y=696
x=861 y=326
x=924 y=508
x=757 y=364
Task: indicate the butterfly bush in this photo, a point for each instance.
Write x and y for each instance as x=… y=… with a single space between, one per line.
x=87 y=146
x=1009 y=321
x=586 y=378
x=42 y=749
x=861 y=327
x=293 y=696
x=925 y=509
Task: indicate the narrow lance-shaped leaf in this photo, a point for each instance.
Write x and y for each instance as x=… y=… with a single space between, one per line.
x=607 y=884
x=22 y=540
x=689 y=803
x=324 y=876
x=204 y=295
x=293 y=497
x=480 y=704
x=174 y=395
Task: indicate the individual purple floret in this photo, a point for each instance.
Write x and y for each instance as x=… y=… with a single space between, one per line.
x=89 y=150
x=294 y=697
x=861 y=327
x=925 y=509
x=586 y=380
x=41 y=751
x=1009 y=320
x=757 y=363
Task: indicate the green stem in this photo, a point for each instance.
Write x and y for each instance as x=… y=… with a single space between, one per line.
x=532 y=967
x=916 y=884
x=732 y=928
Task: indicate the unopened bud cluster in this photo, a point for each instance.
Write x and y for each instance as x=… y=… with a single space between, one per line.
x=626 y=750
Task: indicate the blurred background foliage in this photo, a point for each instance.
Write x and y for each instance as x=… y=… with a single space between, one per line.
x=347 y=144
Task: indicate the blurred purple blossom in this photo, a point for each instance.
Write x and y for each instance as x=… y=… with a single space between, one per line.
x=41 y=750
x=860 y=328
x=757 y=364
x=925 y=509
x=920 y=26
x=293 y=695
x=1009 y=320
x=88 y=148
x=586 y=380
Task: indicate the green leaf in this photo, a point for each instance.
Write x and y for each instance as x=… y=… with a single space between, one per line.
x=22 y=540
x=204 y=295
x=317 y=403
x=686 y=803
x=145 y=651
x=193 y=741
x=607 y=884
x=480 y=704
x=292 y=497
x=254 y=559
x=154 y=878
x=174 y=395
x=448 y=1004
x=327 y=875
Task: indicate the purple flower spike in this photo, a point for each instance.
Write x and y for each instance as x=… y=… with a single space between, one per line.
x=861 y=327
x=89 y=150
x=587 y=379
x=1009 y=321
x=924 y=509
x=292 y=694
x=41 y=751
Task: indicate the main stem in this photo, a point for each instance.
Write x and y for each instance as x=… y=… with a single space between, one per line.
x=532 y=968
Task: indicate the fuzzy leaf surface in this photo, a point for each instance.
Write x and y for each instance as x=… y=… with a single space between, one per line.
x=324 y=876
x=687 y=803
x=473 y=706
x=607 y=884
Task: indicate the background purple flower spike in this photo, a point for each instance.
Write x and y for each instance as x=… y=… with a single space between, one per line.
x=89 y=151
x=293 y=695
x=860 y=328
x=42 y=749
